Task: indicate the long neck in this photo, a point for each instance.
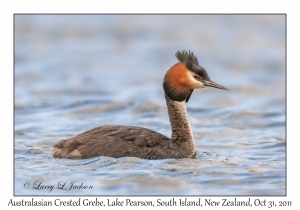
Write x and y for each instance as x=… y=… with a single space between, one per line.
x=181 y=129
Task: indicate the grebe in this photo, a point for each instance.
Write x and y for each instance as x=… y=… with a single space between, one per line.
x=121 y=141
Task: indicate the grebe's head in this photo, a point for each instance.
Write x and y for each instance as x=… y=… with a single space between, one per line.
x=184 y=77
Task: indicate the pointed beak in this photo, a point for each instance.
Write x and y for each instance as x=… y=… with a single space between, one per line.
x=215 y=85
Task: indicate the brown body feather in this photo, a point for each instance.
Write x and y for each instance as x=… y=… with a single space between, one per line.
x=114 y=141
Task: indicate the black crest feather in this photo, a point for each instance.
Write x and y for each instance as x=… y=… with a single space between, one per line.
x=188 y=58
x=191 y=62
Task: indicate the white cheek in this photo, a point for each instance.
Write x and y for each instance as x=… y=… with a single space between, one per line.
x=195 y=84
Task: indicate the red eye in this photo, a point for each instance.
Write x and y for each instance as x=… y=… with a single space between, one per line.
x=196 y=76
